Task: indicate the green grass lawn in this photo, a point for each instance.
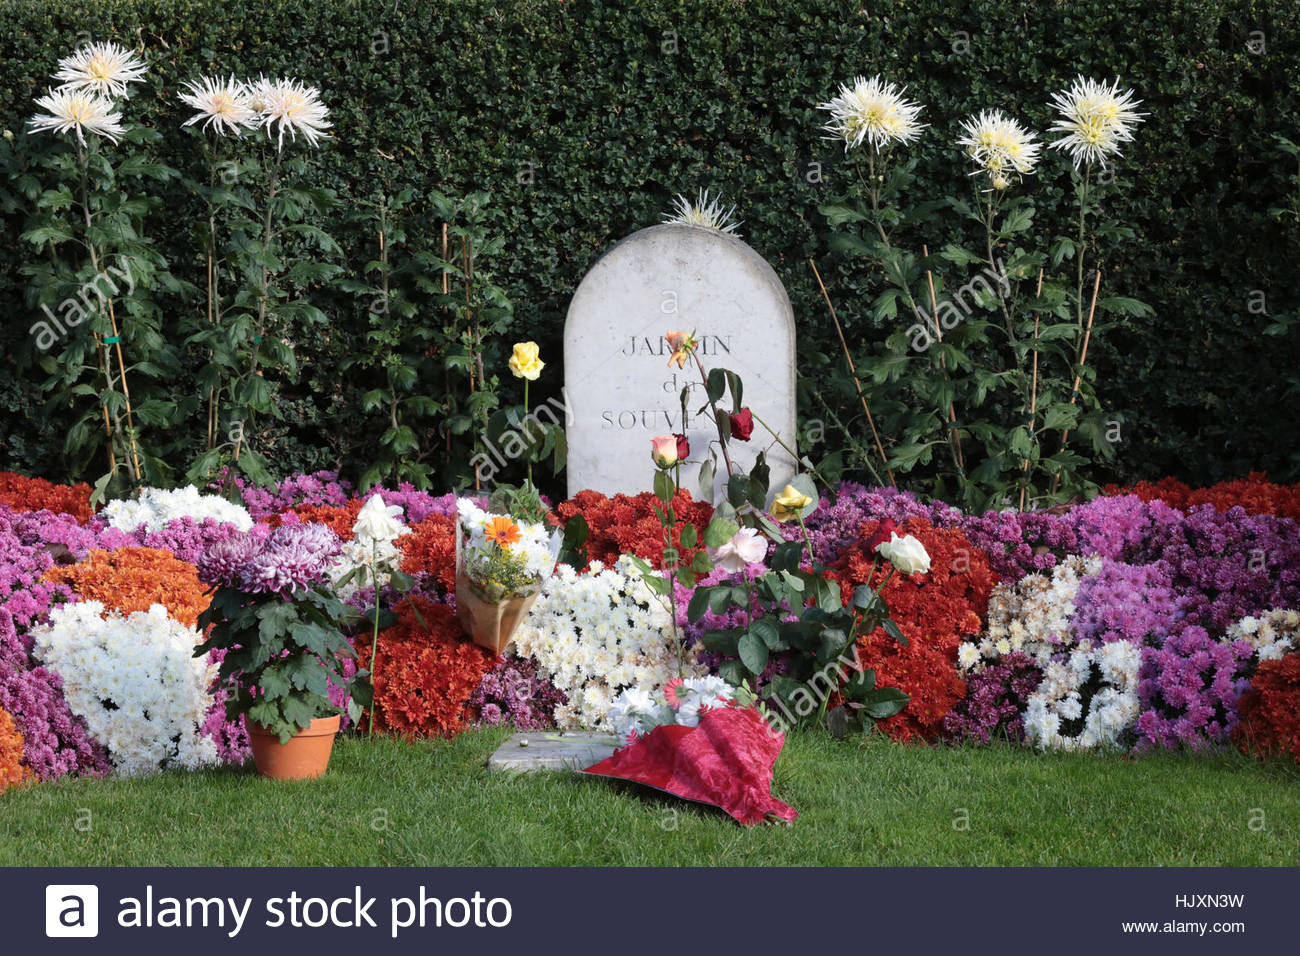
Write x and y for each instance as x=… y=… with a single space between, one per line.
x=861 y=802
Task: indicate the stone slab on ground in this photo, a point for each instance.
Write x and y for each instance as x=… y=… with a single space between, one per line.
x=552 y=750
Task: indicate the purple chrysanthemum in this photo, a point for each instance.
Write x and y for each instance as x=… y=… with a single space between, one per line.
x=995 y=701
x=1190 y=689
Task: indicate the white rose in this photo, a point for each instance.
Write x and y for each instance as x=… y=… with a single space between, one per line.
x=378 y=522
x=907 y=554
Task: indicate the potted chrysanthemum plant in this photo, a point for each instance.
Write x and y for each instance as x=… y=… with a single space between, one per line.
x=280 y=630
x=501 y=563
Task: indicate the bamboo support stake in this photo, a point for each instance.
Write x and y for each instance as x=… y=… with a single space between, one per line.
x=476 y=353
x=126 y=392
x=1033 y=390
x=446 y=373
x=880 y=449
x=943 y=362
x=1078 y=375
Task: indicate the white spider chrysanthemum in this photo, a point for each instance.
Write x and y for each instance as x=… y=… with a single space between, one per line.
x=104 y=68
x=294 y=105
x=221 y=104
x=705 y=212
x=999 y=146
x=70 y=109
x=873 y=110
x=1095 y=118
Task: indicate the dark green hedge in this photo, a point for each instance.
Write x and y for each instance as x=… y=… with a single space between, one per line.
x=610 y=108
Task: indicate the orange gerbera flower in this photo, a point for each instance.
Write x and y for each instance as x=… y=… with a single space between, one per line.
x=503 y=531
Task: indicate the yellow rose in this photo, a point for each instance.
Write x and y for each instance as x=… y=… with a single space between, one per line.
x=525 y=363
x=789 y=504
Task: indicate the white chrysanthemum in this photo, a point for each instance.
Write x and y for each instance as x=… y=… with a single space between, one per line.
x=1032 y=616
x=706 y=212
x=1095 y=118
x=156 y=507
x=872 y=110
x=1272 y=634
x=293 y=105
x=103 y=68
x=69 y=109
x=1107 y=713
x=221 y=104
x=999 y=146
x=588 y=629
x=135 y=681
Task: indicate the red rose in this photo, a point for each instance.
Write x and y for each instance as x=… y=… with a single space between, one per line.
x=683 y=446
x=742 y=424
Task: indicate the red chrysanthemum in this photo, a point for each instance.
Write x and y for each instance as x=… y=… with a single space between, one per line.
x=1270 y=710
x=36 y=494
x=1255 y=493
x=430 y=549
x=935 y=612
x=427 y=670
x=626 y=524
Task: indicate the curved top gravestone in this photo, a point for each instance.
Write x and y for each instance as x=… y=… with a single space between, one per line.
x=620 y=389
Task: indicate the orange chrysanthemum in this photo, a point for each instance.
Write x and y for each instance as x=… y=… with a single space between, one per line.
x=12 y=771
x=132 y=579
x=503 y=531
x=340 y=518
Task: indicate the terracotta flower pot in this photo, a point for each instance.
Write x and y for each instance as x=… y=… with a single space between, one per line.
x=490 y=624
x=304 y=757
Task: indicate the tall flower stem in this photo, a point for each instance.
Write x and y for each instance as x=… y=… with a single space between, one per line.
x=900 y=280
x=953 y=436
x=1078 y=375
x=374 y=638
x=807 y=540
x=848 y=357
x=83 y=162
x=1033 y=397
x=788 y=450
x=528 y=434
x=713 y=407
x=264 y=283
x=1079 y=253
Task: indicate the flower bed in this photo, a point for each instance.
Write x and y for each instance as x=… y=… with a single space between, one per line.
x=1128 y=622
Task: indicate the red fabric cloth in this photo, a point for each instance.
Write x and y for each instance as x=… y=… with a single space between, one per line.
x=726 y=761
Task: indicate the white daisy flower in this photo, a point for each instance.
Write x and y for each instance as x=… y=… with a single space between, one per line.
x=705 y=212
x=221 y=104
x=873 y=110
x=1095 y=119
x=70 y=109
x=103 y=68
x=294 y=105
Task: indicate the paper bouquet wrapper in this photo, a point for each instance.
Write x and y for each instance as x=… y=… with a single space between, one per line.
x=725 y=761
x=490 y=624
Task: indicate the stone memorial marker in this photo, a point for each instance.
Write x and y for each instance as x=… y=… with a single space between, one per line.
x=554 y=750
x=621 y=390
